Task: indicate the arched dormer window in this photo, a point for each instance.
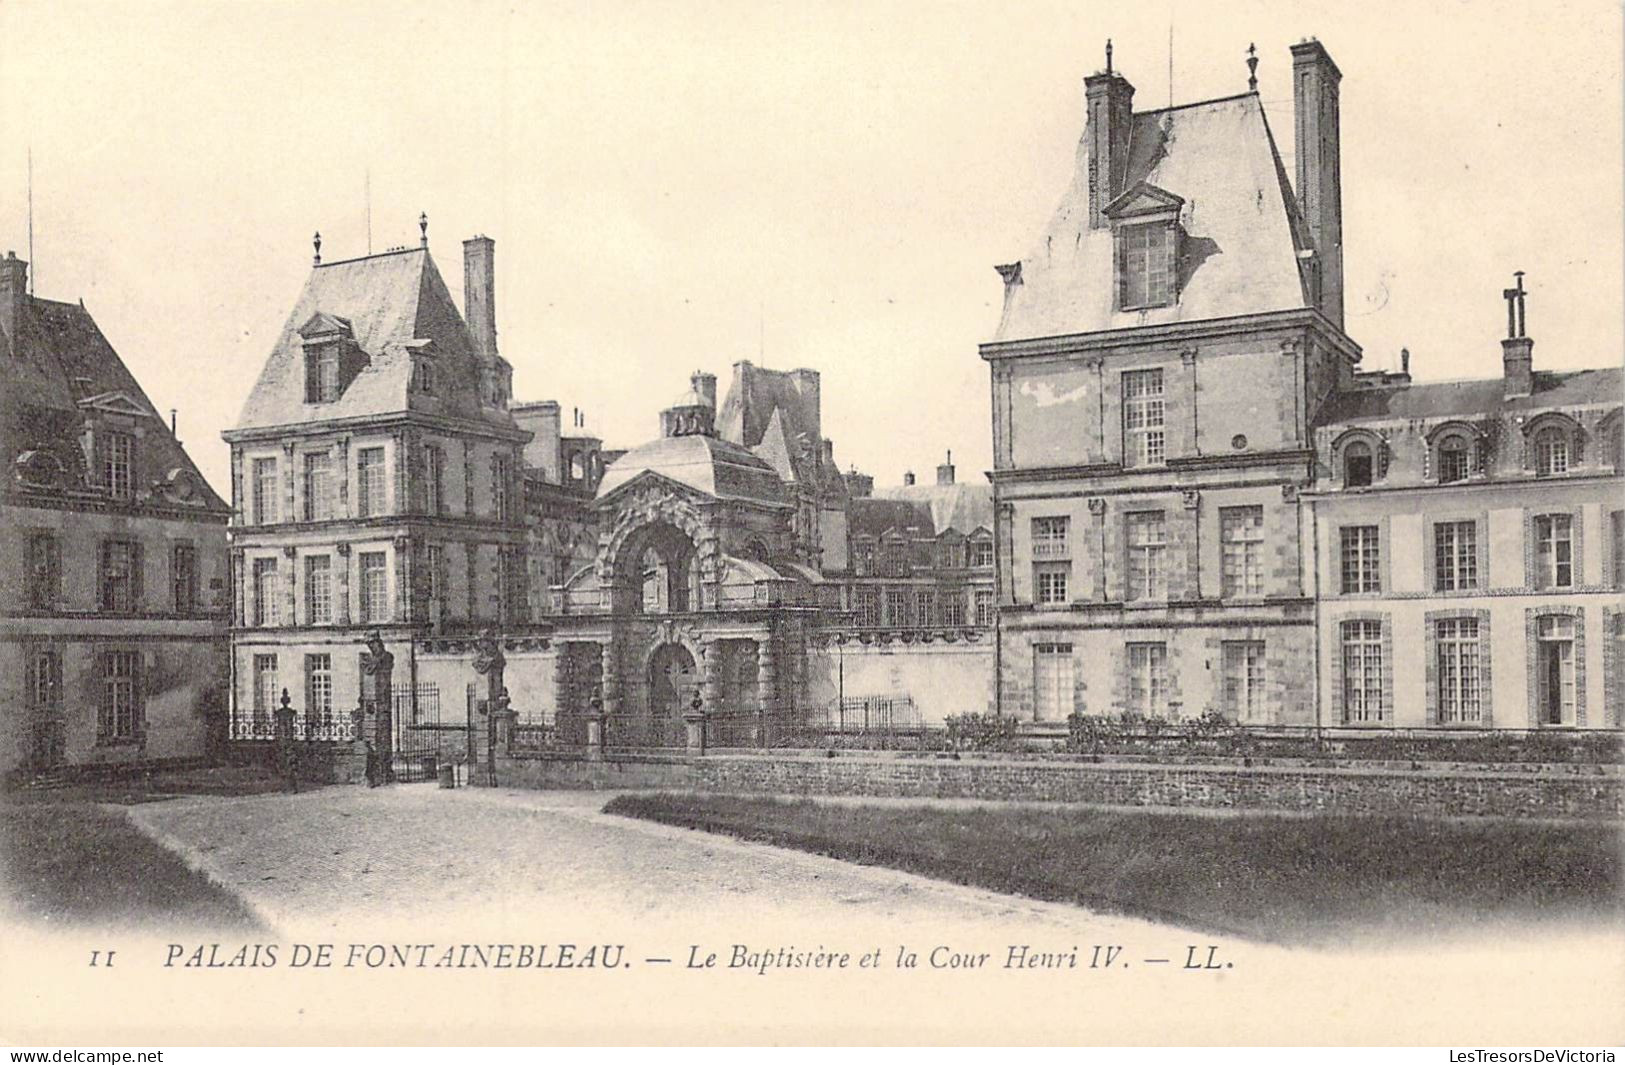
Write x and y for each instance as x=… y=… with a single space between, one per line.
x=1551 y=451
x=1551 y=444
x=1455 y=452
x=1613 y=439
x=1360 y=459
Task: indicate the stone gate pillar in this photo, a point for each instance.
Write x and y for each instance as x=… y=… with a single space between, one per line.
x=490 y=662
x=595 y=726
x=287 y=768
x=694 y=724
x=378 y=668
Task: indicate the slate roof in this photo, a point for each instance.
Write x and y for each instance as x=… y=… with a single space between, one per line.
x=390 y=301
x=1465 y=398
x=776 y=413
x=1242 y=228
x=56 y=343
x=961 y=507
x=716 y=467
x=876 y=517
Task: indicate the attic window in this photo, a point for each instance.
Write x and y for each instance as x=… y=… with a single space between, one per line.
x=1145 y=265
x=425 y=382
x=322 y=374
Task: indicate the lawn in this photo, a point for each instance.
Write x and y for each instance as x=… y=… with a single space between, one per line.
x=70 y=863
x=1319 y=880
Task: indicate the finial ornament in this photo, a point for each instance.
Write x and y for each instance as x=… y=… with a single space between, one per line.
x=1108 y=55
x=1252 y=67
x=423 y=228
x=318 y=243
x=1516 y=325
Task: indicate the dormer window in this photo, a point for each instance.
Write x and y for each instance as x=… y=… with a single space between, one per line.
x=1357 y=465
x=118 y=462
x=425 y=377
x=1551 y=452
x=331 y=357
x=1454 y=460
x=1145 y=228
x=322 y=380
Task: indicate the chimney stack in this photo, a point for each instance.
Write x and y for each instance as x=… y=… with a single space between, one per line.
x=908 y=479
x=1109 y=101
x=705 y=386
x=13 y=291
x=1315 y=81
x=859 y=485
x=1517 y=350
x=479 y=294
x=945 y=472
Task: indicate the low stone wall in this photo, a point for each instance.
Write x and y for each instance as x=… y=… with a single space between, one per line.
x=1551 y=792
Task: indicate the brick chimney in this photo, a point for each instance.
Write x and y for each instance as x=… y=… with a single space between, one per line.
x=945 y=472
x=908 y=479
x=1109 y=102
x=479 y=294
x=1518 y=349
x=705 y=385
x=1315 y=80
x=13 y=291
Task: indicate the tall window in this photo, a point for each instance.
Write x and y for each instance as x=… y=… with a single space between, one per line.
x=425 y=377
x=866 y=606
x=863 y=557
x=981 y=553
x=950 y=554
x=118 y=464
x=1244 y=679
x=369 y=468
x=1148 y=678
x=1454 y=460
x=1554 y=669
x=1049 y=538
x=1455 y=556
x=984 y=606
x=262 y=476
x=374 y=586
x=44 y=571
x=1357 y=465
x=434 y=478
x=1241 y=538
x=45 y=680
x=183 y=577
x=1049 y=582
x=1456 y=652
x=1052 y=681
x=120 y=576
x=925 y=607
x=318 y=486
x=953 y=607
x=266 y=608
x=318 y=589
x=501 y=473
x=120 y=717
x=894 y=560
x=437 y=580
x=1554 y=551
x=898 y=613
x=265 y=688
x=319 y=687
x=1142 y=418
x=1146 y=273
x=1362 y=672
x=1551 y=451
x=1360 y=559
x=1147 y=540
x=322 y=374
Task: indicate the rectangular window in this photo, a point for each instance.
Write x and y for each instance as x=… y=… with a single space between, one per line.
x=1146 y=274
x=1554 y=551
x=953 y=607
x=434 y=474
x=1453 y=462
x=266 y=600
x=1360 y=557
x=44 y=571
x=44 y=680
x=1241 y=539
x=1147 y=540
x=1362 y=672
x=501 y=472
x=319 y=687
x=318 y=589
x=950 y=554
x=322 y=380
x=120 y=576
x=369 y=465
x=1052 y=681
x=1554 y=666
x=981 y=553
x=120 y=717
x=898 y=614
x=318 y=486
x=1050 y=538
x=1142 y=418
x=266 y=690
x=1456 y=658
x=1049 y=582
x=866 y=606
x=984 y=606
x=1455 y=556
x=262 y=476
x=118 y=464
x=183 y=577
x=374 y=586
x=925 y=607
x=1244 y=679
x=1148 y=678
x=863 y=557
x=894 y=561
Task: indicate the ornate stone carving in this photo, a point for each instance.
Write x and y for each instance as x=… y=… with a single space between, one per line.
x=1097 y=505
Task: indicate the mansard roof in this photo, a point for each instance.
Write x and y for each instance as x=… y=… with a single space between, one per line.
x=388 y=304
x=715 y=467
x=1464 y=399
x=961 y=507
x=1242 y=232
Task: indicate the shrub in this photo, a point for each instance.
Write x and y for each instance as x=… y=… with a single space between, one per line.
x=981 y=732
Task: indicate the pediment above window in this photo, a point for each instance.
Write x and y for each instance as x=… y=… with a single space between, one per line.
x=1554 y=418
x=1144 y=202
x=116 y=403
x=323 y=326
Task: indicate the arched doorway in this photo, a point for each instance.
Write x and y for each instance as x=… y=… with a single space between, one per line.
x=657 y=572
x=672 y=679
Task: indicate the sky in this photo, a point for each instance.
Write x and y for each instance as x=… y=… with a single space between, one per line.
x=679 y=186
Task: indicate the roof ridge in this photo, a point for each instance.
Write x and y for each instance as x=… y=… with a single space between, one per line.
x=1200 y=103
x=374 y=255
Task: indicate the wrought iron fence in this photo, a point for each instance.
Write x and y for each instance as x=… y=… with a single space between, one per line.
x=883 y=723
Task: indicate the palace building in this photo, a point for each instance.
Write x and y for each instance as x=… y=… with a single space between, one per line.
x=1202 y=502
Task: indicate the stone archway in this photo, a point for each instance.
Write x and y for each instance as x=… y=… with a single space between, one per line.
x=673 y=677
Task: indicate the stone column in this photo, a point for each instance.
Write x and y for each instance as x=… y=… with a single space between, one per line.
x=709 y=693
x=1097 y=545
x=403 y=579
x=341 y=460
x=1192 y=501
x=491 y=663
x=694 y=725
x=595 y=726
x=767 y=683
x=341 y=598
x=287 y=768
x=290 y=557
x=378 y=668
x=239 y=616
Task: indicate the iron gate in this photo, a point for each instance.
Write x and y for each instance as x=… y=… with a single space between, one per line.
x=423 y=738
